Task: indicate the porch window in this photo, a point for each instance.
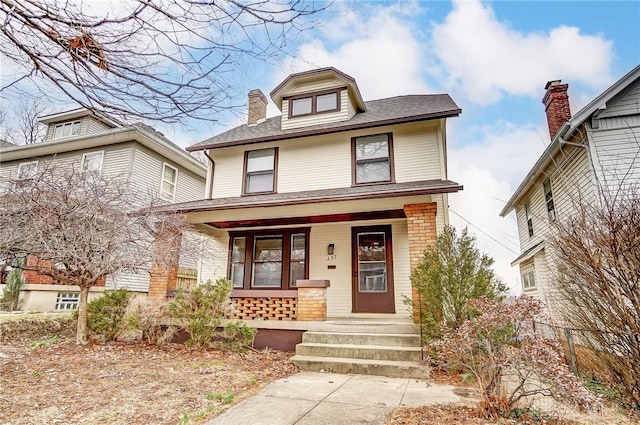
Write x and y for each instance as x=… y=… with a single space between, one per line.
x=268 y=260
x=372 y=158
x=548 y=197
x=260 y=171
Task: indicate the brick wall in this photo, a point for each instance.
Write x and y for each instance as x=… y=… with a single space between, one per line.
x=32 y=276
x=422 y=233
x=312 y=304
x=164 y=268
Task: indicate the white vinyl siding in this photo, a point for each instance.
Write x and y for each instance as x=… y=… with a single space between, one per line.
x=324 y=162
x=116 y=161
x=146 y=175
x=626 y=103
x=339 y=294
x=138 y=282
x=618 y=156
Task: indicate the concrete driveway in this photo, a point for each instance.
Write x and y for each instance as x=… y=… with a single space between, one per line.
x=311 y=398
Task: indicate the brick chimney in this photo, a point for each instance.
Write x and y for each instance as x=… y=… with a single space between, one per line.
x=257 y=106
x=556 y=105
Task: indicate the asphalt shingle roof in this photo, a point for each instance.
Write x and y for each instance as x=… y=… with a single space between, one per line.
x=424 y=187
x=380 y=112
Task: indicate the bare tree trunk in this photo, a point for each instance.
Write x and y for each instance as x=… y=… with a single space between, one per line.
x=82 y=330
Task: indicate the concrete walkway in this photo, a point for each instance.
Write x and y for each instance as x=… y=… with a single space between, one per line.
x=310 y=398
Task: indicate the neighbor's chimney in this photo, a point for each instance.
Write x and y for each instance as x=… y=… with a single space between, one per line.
x=257 y=106
x=556 y=105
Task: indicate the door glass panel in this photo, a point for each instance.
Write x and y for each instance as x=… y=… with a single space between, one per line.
x=372 y=266
x=267 y=261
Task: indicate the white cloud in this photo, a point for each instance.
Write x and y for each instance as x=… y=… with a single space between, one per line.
x=489 y=59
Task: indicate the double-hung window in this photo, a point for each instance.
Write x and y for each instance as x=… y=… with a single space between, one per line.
x=268 y=260
x=260 y=171
x=92 y=161
x=528 y=280
x=372 y=158
x=67 y=129
x=26 y=172
x=316 y=103
x=548 y=197
x=527 y=213
x=169 y=182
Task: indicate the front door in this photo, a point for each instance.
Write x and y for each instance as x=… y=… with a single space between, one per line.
x=372 y=269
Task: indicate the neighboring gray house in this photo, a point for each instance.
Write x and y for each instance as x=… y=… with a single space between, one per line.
x=78 y=138
x=594 y=150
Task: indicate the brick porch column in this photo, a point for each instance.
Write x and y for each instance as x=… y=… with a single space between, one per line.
x=312 y=299
x=164 y=267
x=421 y=226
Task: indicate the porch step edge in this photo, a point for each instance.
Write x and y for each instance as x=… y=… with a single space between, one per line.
x=390 y=368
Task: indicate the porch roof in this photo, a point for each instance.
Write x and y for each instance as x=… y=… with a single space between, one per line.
x=388 y=190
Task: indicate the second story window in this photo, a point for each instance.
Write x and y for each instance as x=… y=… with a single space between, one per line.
x=67 y=129
x=169 y=182
x=260 y=171
x=548 y=198
x=527 y=213
x=372 y=158
x=314 y=103
x=92 y=161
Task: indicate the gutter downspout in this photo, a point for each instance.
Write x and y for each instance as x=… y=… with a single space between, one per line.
x=212 y=168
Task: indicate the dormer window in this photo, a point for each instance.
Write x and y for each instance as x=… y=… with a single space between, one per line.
x=317 y=103
x=67 y=129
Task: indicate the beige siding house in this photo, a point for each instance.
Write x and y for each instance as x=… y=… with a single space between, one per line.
x=592 y=152
x=322 y=211
x=151 y=163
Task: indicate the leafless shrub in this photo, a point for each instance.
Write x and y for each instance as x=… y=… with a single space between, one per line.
x=598 y=264
x=153 y=320
x=499 y=346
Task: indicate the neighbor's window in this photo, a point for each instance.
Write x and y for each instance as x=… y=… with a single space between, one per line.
x=527 y=213
x=67 y=300
x=92 y=161
x=274 y=260
x=314 y=104
x=26 y=172
x=548 y=197
x=67 y=129
x=528 y=280
x=260 y=166
x=372 y=158
x=169 y=181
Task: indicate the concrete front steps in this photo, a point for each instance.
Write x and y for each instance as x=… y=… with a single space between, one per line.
x=367 y=348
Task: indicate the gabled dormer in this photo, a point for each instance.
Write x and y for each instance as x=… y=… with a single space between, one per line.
x=318 y=96
x=74 y=123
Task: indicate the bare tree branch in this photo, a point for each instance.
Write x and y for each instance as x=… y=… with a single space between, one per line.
x=156 y=60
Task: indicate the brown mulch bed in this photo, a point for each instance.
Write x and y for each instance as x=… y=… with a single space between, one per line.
x=51 y=382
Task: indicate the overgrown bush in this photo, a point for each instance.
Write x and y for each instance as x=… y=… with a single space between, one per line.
x=153 y=320
x=11 y=294
x=450 y=274
x=508 y=359
x=107 y=314
x=236 y=336
x=201 y=312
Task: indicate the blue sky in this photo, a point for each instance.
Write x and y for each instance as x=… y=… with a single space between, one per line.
x=493 y=58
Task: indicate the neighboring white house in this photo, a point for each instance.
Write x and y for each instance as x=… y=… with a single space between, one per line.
x=595 y=150
x=150 y=162
x=334 y=191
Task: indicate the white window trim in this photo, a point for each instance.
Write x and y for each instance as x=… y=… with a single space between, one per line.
x=164 y=194
x=527 y=277
x=84 y=155
x=26 y=163
x=62 y=125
